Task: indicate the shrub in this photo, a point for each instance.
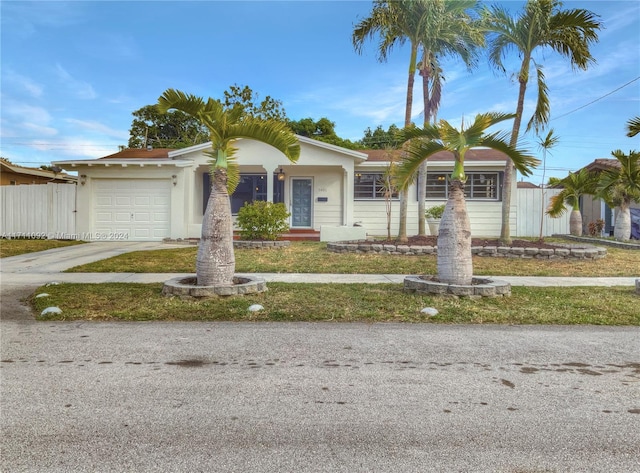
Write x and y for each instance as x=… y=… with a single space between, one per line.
x=595 y=228
x=434 y=212
x=262 y=220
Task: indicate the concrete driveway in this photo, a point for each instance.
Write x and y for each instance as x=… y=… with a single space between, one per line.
x=265 y=397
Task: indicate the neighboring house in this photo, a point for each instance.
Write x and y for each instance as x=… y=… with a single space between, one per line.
x=593 y=209
x=14 y=175
x=141 y=194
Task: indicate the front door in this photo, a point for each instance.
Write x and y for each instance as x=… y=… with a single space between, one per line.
x=301 y=202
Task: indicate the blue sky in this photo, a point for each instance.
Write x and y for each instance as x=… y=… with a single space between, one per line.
x=73 y=72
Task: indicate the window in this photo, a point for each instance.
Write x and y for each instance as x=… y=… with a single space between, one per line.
x=479 y=186
x=371 y=186
x=251 y=187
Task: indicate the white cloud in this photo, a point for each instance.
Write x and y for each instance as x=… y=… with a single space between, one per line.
x=99 y=128
x=33 y=88
x=75 y=147
x=39 y=130
x=81 y=89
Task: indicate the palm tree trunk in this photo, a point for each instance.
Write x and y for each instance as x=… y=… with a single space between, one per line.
x=509 y=170
x=425 y=72
x=422 y=196
x=622 y=228
x=404 y=203
x=575 y=223
x=215 y=263
x=455 y=265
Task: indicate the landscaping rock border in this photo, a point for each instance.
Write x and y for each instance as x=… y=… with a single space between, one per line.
x=480 y=287
x=261 y=244
x=561 y=252
x=186 y=288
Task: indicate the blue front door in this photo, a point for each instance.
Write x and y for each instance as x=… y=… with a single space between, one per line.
x=301 y=202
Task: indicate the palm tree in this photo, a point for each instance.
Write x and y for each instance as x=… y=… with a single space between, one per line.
x=448 y=30
x=395 y=22
x=619 y=186
x=215 y=263
x=633 y=127
x=574 y=186
x=545 y=144
x=542 y=24
x=454 y=238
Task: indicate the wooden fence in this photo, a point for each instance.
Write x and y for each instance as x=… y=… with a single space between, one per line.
x=531 y=208
x=38 y=211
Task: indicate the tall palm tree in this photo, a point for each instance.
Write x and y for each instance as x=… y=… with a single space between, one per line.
x=454 y=238
x=395 y=21
x=574 y=186
x=545 y=144
x=619 y=186
x=448 y=29
x=542 y=25
x=215 y=263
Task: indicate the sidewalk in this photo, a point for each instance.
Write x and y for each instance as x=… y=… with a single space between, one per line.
x=40 y=268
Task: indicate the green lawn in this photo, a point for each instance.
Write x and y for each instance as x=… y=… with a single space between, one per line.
x=344 y=303
x=312 y=257
x=16 y=247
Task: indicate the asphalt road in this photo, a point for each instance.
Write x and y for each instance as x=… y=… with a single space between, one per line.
x=300 y=397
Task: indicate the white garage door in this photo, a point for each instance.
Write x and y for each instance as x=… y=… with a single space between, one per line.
x=131 y=209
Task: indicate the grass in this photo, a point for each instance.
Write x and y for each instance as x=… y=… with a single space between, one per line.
x=14 y=247
x=343 y=303
x=312 y=257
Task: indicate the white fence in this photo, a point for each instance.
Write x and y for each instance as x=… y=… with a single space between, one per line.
x=38 y=211
x=532 y=207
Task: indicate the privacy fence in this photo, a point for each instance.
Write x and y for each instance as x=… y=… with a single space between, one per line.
x=38 y=211
x=532 y=204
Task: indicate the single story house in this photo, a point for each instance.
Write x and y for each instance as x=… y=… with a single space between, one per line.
x=153 y=194
x=14 y=175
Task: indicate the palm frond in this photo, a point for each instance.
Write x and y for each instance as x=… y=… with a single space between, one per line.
x=415 y=153
x=633 y=127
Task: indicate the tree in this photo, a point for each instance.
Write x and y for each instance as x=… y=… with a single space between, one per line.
x=574 y=186
x=618 y=187
x=321 y=130
x=448 y=29
x=395 y=22
x=633 y=127
x=215 y=263
x=454 y=261
x=542 y=25
x=173 y=130
x=545 y=144
x=381 y=139
x=267 y=109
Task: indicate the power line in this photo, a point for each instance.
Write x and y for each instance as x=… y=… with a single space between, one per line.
x=599 y=98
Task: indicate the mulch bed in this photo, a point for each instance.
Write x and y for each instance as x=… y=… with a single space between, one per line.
x=416 y=240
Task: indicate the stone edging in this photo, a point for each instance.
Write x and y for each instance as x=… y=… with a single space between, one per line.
x=625 y=245
x=571 y=252
x=262 y=244
x=480 y=287
x=186 y=288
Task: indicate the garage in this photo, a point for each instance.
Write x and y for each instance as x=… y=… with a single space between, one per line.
x=131 y=209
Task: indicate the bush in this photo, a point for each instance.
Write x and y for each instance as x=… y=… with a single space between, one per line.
x=434 y=212
x=262 y=220
x=595 y=228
